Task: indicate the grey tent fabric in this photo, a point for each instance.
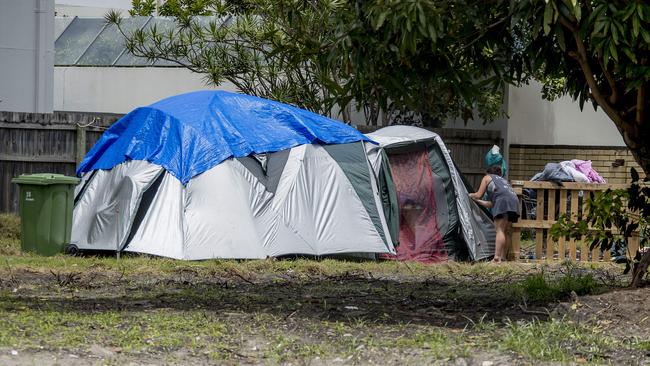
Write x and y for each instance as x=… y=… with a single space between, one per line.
x=269 y=173
x=447 y=209
x=354 y=162
x=109 y=202
x=388 y=197
x=303 y=200
x=470 y=232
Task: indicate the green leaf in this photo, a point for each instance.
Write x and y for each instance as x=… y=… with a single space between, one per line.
x=612 y=50
x=381 y=19
x=630 y=54
x=636 y=25
x=646 y=35
x=432 y=32
x=614 y=33
x=548 y=18
x=639 y=10
x=560 y=39
x=599 y=26
x=630 y=10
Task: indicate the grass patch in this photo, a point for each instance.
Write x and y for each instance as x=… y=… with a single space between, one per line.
x=643 y=345
x=301 y=268
x=287 y=311
x=9 y=234
x=132 y=332
x=9 y=226
x=556 y=340
x=541 y=288
x=439 y=343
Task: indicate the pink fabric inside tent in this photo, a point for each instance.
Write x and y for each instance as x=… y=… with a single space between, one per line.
x=420 y=237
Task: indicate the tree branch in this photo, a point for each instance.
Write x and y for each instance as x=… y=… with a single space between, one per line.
x=640 y=104
x=613 y=98
x=582 y=57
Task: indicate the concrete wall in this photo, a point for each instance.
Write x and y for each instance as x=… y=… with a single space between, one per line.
x=26 y=55
x=120 y=89
x=539 y=122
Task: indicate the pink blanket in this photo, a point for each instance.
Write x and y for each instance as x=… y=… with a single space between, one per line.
x=584 y=166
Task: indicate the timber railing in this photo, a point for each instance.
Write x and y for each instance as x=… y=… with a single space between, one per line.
x=540 y=213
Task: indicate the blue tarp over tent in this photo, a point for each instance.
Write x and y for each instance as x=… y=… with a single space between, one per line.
x=188 y=134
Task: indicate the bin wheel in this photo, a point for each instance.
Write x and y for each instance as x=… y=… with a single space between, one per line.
x=71 y=249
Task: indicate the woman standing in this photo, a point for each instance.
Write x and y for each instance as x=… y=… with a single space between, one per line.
x=504 y=203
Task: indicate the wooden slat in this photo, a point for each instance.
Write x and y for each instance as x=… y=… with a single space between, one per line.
x=584 y=250
x=533 y=224
x=508 y=249
x=632 y=245
x=80 y=148
x=55 y=127
x=539 y=233
x=539 y=242
x=561 y=242
x=574 y=216
x=540 y=205
x=550 y=244
x=516 y=243
x=607 y=256
x=595 y=254
x=37 y=158
x=568 y=185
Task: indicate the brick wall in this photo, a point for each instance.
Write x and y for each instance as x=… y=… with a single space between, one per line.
x=527 y=160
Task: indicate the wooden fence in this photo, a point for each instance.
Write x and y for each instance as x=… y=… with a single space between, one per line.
x=540 y=213
x=57 y=142
x=44 y=142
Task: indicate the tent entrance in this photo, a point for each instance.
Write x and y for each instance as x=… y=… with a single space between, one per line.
x=420 y=236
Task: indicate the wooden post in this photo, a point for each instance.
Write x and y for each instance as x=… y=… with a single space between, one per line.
x=633 y=245
x=574 y=216
x=539 y=232
x=561 y=242
x=514 y=233
x=80 y=151
x=550 y=244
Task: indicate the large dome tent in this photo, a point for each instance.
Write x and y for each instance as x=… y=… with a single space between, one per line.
x=437 y=218
x=214 y=174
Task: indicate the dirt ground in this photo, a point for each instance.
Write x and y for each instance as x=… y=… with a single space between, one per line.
x=310 y=313
x=623 y=314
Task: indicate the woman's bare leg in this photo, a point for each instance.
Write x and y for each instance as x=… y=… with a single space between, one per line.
x=500 y=224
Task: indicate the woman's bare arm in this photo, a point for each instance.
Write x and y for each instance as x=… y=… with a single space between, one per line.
x=482 y=188
x=486 y=204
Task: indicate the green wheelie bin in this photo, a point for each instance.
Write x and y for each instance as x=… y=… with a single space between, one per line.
x=46 y=202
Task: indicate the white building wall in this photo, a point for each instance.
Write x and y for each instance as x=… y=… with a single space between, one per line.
x=532 y=120
x=535 y=121
x=120 y=89
x=26 y=55
x=90 y=8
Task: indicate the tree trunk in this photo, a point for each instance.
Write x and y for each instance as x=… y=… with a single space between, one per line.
x=640 y=149
x=640 y=269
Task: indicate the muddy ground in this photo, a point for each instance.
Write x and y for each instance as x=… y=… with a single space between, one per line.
x=315 y=313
